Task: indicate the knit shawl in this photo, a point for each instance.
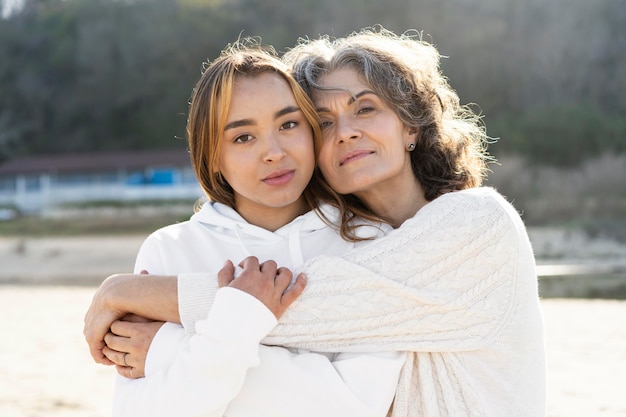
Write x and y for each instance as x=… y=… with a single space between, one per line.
x=454 y=287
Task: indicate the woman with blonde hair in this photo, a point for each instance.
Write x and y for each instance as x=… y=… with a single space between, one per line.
x=251 y=135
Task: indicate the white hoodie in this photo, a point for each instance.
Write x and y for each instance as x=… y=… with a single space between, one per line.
x=199 y=373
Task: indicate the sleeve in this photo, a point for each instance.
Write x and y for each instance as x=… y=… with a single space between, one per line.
x=307 y=384
x=209 y=368
x=191 y=374
x=195 y=293
x=223 y=366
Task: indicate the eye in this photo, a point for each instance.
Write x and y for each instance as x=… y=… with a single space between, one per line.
x=325 y=124
x=288 y=125
x=365 y=110
x=243 y=138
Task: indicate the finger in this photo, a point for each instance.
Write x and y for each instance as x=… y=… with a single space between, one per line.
x=115 y=342
x=269 y=269
x=250 y=262
x=294 y=292
x=129 y=372
x=117 y=357
x=133 y=318
x=98 y=355
x=95 y=343
x=122 y=328
x=226 y=275
x=283 y=278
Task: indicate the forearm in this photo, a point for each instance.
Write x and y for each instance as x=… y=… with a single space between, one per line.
x=310 y=384
x=208 y=372
x=209 y=369
x=151 y=296
x=444 y=281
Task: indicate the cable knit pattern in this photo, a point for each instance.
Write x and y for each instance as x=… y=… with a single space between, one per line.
x=455 y=287
x=451 y=267
x=443 y=287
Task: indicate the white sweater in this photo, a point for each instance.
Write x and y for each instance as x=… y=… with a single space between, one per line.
x=456 y=286
x=199 y=375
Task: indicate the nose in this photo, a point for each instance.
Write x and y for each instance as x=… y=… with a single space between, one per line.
x=274 y=151
x=346 y=129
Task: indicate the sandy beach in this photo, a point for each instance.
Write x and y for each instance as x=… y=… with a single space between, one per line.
x=47 y=371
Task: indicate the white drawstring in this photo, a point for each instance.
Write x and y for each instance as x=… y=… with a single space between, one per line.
x=295 y=248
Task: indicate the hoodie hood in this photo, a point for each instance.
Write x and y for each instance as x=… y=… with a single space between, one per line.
x=228 y=225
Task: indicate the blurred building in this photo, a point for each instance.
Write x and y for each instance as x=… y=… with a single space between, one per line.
x=33 y=184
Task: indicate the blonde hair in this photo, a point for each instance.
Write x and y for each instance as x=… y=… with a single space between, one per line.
x=209 y=107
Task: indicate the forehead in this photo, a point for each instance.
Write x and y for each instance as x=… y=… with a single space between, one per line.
x=249 y=84
x=260 y=92
x=343 y=81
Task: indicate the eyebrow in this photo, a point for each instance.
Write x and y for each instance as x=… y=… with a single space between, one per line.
x=249 y=122
x=352 y=99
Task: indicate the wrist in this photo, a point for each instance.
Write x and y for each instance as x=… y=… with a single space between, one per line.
x=120 y=293
x=153 y=297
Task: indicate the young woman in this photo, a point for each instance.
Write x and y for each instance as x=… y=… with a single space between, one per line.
x=454 y=284
x=251 y=142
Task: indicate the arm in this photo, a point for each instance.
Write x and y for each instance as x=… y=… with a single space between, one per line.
x=449 y=271
x=446 y=280
x=209 y=370
x=154 y=297
x=222 y=366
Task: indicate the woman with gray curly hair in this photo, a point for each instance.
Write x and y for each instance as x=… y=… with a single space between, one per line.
x=449 y=150
x=454 y=284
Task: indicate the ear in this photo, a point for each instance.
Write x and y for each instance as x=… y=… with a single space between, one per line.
x=411 y=134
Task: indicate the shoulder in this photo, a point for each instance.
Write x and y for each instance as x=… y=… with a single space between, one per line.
x=480 y=196
x=170 y=232
x=468 y=204
x=478 y=214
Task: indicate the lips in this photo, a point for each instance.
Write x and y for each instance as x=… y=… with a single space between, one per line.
x=279 y=177
x=354 y=156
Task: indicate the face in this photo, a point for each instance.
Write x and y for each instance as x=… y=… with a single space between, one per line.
x=364 y=146
x=267 y=153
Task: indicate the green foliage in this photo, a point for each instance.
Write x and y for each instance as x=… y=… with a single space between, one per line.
x=81 y=75
x=101 y=74
x=561 y=136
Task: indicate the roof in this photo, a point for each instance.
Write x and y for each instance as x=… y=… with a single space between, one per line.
x=96 y=161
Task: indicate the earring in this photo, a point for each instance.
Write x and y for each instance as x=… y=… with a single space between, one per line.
x=410 y=147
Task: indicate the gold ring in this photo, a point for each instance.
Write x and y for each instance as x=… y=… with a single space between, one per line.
x=124 y=359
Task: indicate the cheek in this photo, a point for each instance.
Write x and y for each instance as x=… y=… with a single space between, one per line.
x=232 y=167
x=303 y=152
x=324 y=160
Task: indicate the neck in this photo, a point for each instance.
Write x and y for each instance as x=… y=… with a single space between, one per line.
x=273 y=218
x=397 y=206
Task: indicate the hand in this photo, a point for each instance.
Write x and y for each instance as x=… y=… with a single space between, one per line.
x=127 y=345
x=266 y=282
x=101 y=314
